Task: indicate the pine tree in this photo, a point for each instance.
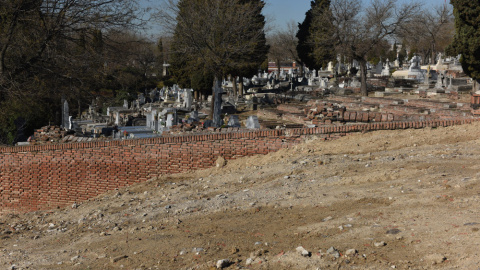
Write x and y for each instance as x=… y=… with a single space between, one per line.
x=467 y=36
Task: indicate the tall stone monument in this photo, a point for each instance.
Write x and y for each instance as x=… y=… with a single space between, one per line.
x=65 y=116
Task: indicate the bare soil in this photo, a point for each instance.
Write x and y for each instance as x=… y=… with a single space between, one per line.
x=404 y=199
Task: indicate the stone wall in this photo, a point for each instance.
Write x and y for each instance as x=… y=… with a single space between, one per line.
x=47 y=176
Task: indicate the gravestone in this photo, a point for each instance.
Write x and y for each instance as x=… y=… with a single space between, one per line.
x=415 y=71
x=379 y=68
x=330 y=67
x=169 y=121
x=323 y=83
x=166 y=94
x=117 y=118
x=252 y=122
x=155 y=125
x=65 y=116
x=217 y=108
x=141 y=99
x=207 y=124
x=234 y=121
x=125 y=104
x=450 y=86
x=355 y=83
x=194 y=116
x=440 y=79
x=386 y=69
x=439 y=65
x=149 y=119
x=188 y=98
x=310 y=81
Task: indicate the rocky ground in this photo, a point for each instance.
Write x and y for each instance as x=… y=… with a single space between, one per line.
x=391 y=199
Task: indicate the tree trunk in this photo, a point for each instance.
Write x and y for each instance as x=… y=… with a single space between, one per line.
x=300 y=69
x=277 y=62
x=235 y=88
x=216 y=110
x=363 y=78
x=79 y=109
x=241 y=86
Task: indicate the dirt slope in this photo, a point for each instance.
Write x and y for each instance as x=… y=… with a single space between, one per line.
x=391 y=199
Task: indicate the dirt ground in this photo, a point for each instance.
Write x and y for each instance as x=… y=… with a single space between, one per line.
x=390 y=199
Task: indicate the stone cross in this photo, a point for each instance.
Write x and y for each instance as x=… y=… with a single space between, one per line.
x=440 y=79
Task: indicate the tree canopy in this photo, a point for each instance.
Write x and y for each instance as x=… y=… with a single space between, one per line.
x=218 y=37
x=54 y=48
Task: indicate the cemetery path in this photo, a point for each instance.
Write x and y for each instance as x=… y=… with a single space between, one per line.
x=404 y=199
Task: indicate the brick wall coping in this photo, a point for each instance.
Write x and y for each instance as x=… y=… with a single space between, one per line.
x=243 y=134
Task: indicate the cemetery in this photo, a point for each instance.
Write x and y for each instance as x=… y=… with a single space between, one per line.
x=283 y=101
x=171 y=133
x=348 y=140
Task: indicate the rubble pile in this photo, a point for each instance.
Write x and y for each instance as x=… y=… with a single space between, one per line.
x=324 y=113
x=48 y=134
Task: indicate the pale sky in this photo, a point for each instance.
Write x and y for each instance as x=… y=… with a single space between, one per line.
x=280 y=12
x=283 y=11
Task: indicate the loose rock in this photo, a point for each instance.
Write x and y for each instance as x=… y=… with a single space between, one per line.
x=334 y=252
x=351 y=252
x=221 y=162
x=222 y=263
x=302 y=251
x=435 y=258
x=118 y=258
x=393 y=231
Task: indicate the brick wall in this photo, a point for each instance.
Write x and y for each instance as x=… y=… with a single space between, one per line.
x=46 y=176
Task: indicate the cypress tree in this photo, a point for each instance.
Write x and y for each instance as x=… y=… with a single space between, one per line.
x=315 y=45
x=467 y=36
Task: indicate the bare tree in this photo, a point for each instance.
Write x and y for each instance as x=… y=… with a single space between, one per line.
x=50 y=48
x=360 y=28
x=283 y=45
x=432 y=32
